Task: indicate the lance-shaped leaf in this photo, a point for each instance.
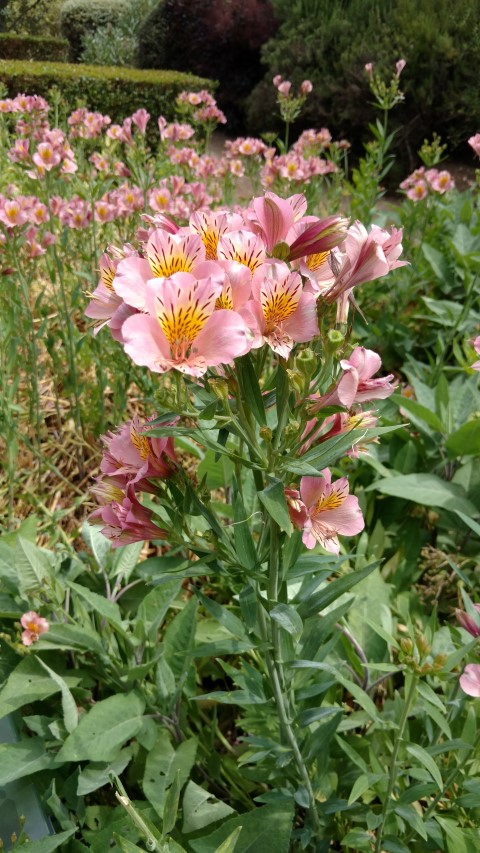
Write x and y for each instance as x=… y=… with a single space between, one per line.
x=273 y=499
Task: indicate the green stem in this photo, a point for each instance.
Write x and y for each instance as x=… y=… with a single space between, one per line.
x=393 y=763
x=450 y=779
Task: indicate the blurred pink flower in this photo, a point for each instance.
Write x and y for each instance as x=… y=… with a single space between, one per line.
x=125 y=519
x=474 y=143
x=34 y=625
x=140 y=118
x=417 y=191
x=470 y=680
x=306 y=87
x=468 y=622
x=476 y=346
x=323 y=510
x=399 y=66
x=369 y=69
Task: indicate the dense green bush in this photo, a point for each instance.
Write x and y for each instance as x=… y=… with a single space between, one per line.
x=117 y=44
x=31 y=17
x=221 y=41
x=330 y=42
x=80 y=18
x=116 y=91
x=14 y=46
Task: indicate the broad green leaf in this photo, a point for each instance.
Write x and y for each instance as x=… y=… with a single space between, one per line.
x=226 y=618
x=427 y=761
x=426 y=489
x=47 y=844
x=162 y=765
x=457 y=840
x=200 y=808
x=421 y=412
x=69 y=706
x=261 y=827
x=333 y=590
x=438 y=263
x=363 y=784
x=26 y=684
x=32 y=564
x=23 y=758
x=154 y=606
x=218 y=473
x=127 y=846
x=465 y=441
x=125 y=559
x=99 y=604
x=178 y=639
x=287 y=617
x=95 y=775
x=99 y=545
x=104 y=729
x=273 y=499
x=358 y=694
x=65 y=636
x=412 y=818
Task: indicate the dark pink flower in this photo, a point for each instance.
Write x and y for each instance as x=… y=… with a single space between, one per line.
x=125 y=520
x=469 y=623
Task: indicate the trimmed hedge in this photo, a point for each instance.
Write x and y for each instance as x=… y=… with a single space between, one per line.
x=14 y=46
x=115 y=91
x=80 y=18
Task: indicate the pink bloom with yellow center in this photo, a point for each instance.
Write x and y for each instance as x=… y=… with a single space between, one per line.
x=131 y=455
x=417 y=191
x=470 y=680
x=106 y=305
x=284 y=312
x=181 y=329
x=12 y=215
x=323 y=510
x=34 y=625
x=46 y=156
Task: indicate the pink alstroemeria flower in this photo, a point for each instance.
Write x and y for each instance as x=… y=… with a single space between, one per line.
x=474 y=143
x=323 y=510
x=125 y=519
x=470 y=680
x=284 y=313
x=131 y=455
x=468 y=622
x=181 y=329
x=356 y=385
x=141 y=118
x=476 y=346
x=34 y=625
x=105 y=305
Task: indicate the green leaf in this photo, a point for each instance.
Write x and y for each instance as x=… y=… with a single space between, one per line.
x=125 y=559
x=95 y=775
x=244 y=544
x=178 y=639
x=438 y=263
x=326 y=596
x=465 y=441
x=104 y=729
x=273 y=499
x=99 y=545
x=218 y=473
x=362 y=698
x=26 y=684
x=23 y=758
x=69 y=706
x=32 y=564
x=287 y=617
x=228 y=846
x=421 y=412
x=200 y=808
x=469 y=522
x=47 y=844
x=259 y=828
x=426 y=489
x=223 y=615
x=64 y=636
x=426 y=761
x=154 y=606
x=411 y=816
x=363 y=784
x=457 y=840
x=99 y=604
x=250 y=388
x=162 y=765
x=172 y=799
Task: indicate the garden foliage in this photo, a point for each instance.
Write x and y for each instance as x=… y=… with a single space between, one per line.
x=249 y=674
x=13 y=46
x=80 y=18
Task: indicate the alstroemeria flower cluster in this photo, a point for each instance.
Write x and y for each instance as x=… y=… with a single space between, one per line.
x=132 y=462
x=424 y=181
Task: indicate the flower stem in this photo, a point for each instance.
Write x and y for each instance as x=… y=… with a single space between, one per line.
x=393 y=763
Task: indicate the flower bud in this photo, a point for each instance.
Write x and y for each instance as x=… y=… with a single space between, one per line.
x=334 y=341
x=422 y=645
x=469 y=623
x=406 y=645
x=219 y=388
x=296 y=380
x=439 y=662
x=266 y=433
x=306 y=362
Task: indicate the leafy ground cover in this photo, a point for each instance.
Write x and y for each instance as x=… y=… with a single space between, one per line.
x=217 y=667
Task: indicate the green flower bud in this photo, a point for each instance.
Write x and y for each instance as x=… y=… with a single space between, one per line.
x=334 y=340
x=306 y=362
x=266 y=433
x=296 y=380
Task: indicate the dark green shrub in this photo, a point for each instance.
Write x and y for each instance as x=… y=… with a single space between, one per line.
x=217 y=40
x=330 y=42
x=30 y=17
x=14 y=46
x=115 y=91
x=80 y=18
